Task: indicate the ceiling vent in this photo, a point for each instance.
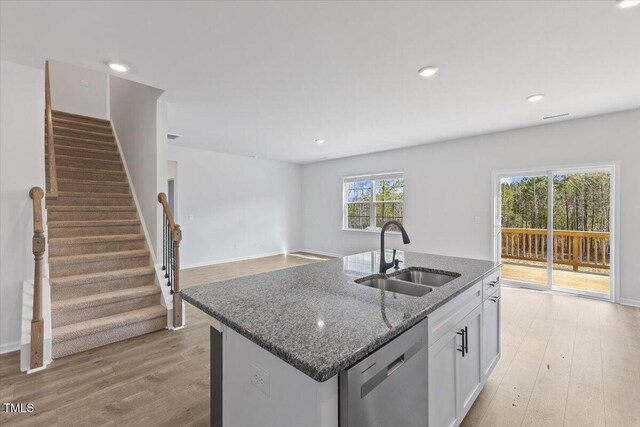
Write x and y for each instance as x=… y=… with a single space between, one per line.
x=555 y=117
x=173 y=136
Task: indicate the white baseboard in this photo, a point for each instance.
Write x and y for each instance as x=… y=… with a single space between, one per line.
x=9 y=347
x=630 y=301
x=313 y=251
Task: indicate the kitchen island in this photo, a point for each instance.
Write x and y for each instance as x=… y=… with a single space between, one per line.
x=286 y=339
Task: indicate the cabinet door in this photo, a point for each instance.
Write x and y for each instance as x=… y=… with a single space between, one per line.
x=491 y=334
x=443 y=359
x=469 y=367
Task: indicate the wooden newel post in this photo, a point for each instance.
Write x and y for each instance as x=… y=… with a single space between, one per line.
x=38 y=248
x=177 y=299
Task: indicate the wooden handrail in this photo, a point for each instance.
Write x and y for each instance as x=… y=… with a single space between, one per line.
x=53 y=174
x=570 y=247
x=38 y=245
x=172 y=236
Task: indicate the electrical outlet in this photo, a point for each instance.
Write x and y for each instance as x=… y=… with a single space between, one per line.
x=260 y=379
x=476 y=220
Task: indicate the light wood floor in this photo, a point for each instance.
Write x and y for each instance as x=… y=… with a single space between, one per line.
x=566 y=278
x=565 y=360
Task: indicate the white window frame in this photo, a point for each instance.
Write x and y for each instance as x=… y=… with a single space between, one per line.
x=373 y=177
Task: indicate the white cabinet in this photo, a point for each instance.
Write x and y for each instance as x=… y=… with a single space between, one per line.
x=470 y=374
x=491 y=333
x=464 y=346
x=443 y=358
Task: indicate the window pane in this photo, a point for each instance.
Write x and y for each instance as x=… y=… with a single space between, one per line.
x=390 y=189
x=359 y=191
x=358 y=216
x=388 y=211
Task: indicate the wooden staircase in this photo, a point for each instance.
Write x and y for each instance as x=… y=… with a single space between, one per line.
x=102 y=278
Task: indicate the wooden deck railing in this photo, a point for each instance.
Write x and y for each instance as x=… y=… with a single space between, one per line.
x=171 y=237
x=52 y=179
x=38 y=246
x=575 y=248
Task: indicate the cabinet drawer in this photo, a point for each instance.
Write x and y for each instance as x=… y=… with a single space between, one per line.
x=490 y=284
x=447 y=317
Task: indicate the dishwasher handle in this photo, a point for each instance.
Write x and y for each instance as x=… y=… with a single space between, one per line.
x=395 y=365
x=388 y=370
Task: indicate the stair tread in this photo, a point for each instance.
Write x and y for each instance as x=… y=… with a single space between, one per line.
x=72 y=208
x=102 y=276
x=90 y=170
x=91 y=195
x=78 y=117
x=70 y=121
x=64 y=156
x=80 y=131
x=92 y=223
x=80 y=329
x=94 y=239
x=105 y=298
x=92 y=182
x=85 y=149
x=58 y=138
x=100 y=256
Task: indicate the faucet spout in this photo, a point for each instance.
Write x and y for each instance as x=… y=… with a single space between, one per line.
x=384 y=265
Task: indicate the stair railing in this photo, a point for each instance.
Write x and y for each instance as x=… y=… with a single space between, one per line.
x=38 y=245
x=171 y=237
x=52 y=187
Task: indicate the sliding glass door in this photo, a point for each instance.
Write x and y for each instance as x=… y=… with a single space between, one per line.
x=581 y=232
x=554 y=229
x=524 y=206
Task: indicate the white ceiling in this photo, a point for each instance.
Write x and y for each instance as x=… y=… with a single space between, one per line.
x=268 y=78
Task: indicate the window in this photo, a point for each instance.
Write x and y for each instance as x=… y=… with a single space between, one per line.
x=371 y=200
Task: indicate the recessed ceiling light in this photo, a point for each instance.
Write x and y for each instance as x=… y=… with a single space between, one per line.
x=320 y=323
x=428 y=71
x=118 y=67
x=624 y=4
x=319 y=141
x=535 y=98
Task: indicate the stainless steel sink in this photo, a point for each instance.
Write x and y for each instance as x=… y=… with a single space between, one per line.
x=426 y=278
x=399 y=286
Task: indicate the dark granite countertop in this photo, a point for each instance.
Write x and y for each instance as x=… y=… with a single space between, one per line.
x=317 y=319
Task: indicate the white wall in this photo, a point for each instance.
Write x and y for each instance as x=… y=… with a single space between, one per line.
x=448 y=183
x=241 y=206
x=21 y=167
x=134 y=113
x=68 y=94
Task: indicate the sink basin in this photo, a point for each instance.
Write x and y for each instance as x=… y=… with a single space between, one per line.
x=399 y=286
x=426 y=278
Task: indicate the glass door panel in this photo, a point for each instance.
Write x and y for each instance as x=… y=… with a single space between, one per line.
x=523 y=220
x=581 y=232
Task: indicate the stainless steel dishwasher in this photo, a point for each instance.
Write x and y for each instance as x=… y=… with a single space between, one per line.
x=389 y=387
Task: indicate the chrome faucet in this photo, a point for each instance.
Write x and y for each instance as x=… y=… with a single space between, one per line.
x=384 y=265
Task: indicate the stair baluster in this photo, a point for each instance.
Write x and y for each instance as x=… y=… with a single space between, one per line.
x=172 y=235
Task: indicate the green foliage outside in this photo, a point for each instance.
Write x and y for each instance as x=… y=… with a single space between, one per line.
x=581 y=202
x=387 y=195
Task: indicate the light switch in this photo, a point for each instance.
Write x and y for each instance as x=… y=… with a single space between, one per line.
x=84 y=83
x=476 y=220
x=190 y=217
